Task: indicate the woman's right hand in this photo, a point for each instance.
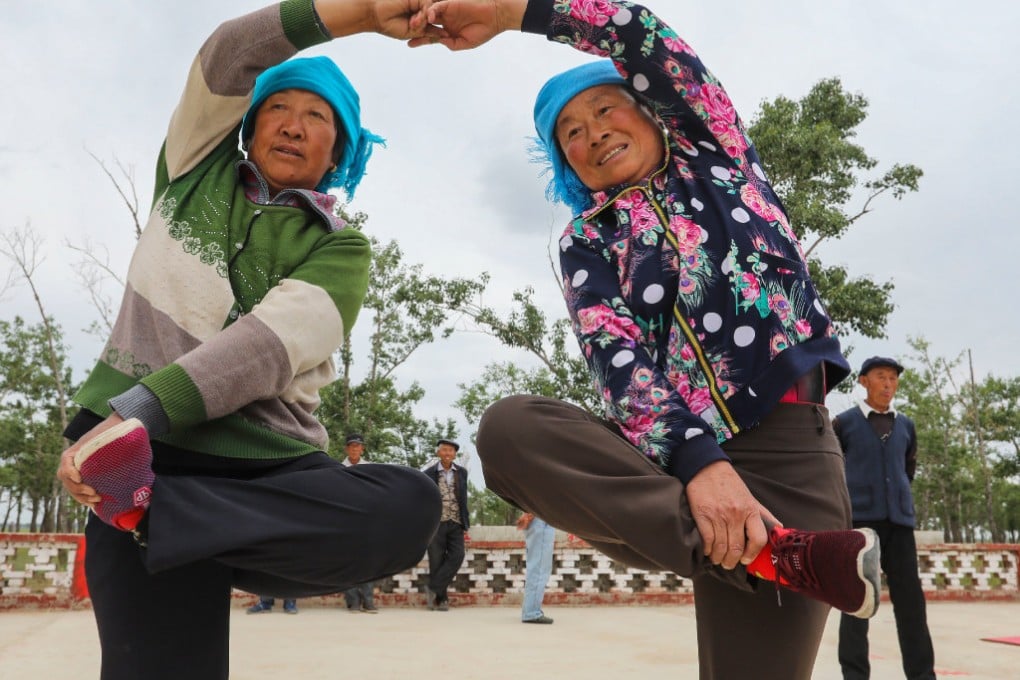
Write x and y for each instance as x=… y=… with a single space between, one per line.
x=731 y=521
x=68 y=474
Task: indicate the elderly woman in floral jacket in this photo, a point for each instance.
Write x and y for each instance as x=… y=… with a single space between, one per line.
x=691 y=300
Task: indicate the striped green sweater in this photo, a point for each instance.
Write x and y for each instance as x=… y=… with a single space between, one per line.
x=232 y=309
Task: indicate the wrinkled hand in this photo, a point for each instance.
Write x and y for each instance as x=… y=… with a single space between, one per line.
x=524 y=521
x=730 y=519
x=69 y=475
x=464 y=23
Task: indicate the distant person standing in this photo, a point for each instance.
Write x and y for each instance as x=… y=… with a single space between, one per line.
x=539 y=538
x=446 y=551
x=265 y=605
x=880 y=448
x=358 y=598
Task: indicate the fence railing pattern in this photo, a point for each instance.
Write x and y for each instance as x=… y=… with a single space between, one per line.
x=47 y=570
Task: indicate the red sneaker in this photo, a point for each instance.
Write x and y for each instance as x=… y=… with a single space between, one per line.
x=839 y=568
x=118 y=464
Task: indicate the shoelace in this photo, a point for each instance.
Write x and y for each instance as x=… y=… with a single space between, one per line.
x=789 y=558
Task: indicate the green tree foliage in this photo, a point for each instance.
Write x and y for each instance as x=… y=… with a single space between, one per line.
x=965 y=484
x=488 y=509
x=561 y=373
x=405 y=309
x=816 y=167
x=31 y=422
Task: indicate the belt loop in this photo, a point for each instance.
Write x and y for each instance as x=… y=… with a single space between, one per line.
x=821 y=419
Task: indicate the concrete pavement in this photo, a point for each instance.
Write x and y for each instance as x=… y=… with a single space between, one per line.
x=490 y=643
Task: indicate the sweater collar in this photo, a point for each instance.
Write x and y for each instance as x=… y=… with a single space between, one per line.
x=256 y=189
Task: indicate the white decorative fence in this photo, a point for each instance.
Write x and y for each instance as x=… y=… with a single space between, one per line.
x=46 y=570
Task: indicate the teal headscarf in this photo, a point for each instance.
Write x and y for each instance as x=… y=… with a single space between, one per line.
x=565 y=186
x=321 y=76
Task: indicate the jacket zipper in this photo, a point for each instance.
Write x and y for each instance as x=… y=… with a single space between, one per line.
x=706 y=368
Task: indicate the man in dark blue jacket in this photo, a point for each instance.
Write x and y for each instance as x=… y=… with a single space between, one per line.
x=446 y=551
x=880 y=448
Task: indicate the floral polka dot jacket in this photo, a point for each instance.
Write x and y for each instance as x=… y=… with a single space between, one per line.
x=689 y=294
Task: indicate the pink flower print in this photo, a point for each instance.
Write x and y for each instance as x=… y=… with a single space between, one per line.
x=591 y=48
x=595 y=12
x=699 y=400
x=675 y=44
x=590 y=232
x=803 y=329
x=717 y=102
x=678 y=380
x=601 y=318
x=687 y=354
x=753 y=199
x=688 y=234
x=748 y=286
x=637 y=426
x=642 y=217
x=730 y=137
x=657 y=395
x=780 y=306
x=684 y=144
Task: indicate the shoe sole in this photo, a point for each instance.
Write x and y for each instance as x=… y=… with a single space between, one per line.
x=103 y=438
x=128 y=517
x=868 y=563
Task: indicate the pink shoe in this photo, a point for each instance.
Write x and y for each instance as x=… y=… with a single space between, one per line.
x=118 y=465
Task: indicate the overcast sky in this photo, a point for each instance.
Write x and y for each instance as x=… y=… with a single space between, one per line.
x=455 y=187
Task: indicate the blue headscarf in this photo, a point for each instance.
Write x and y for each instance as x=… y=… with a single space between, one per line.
x=565 y=186
x=324 y=78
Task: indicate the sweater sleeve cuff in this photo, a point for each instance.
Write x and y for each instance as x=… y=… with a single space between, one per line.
x=688 y=459
x=537 y=16
x=302 y=24
x=178 y=395
x=141 y=403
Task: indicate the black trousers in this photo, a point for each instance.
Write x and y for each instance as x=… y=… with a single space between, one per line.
x=301 y=527
x=446 y=554
x=899 y=562
x=578 y=473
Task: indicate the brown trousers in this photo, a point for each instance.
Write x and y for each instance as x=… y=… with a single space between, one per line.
x=579 y=474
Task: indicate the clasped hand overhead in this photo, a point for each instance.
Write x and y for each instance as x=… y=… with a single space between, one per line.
x=465 y=24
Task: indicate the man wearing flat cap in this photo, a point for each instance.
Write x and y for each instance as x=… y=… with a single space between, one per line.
x=446 y=551
x=880 y=451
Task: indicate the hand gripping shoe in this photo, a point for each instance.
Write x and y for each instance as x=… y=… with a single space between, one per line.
x=117 y=463
x=840 y=568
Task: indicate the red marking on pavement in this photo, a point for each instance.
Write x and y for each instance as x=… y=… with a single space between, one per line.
x=1015 y=640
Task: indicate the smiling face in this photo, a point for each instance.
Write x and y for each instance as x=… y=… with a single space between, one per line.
x=608 y=138
x=446 y=454
x=293 y=140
